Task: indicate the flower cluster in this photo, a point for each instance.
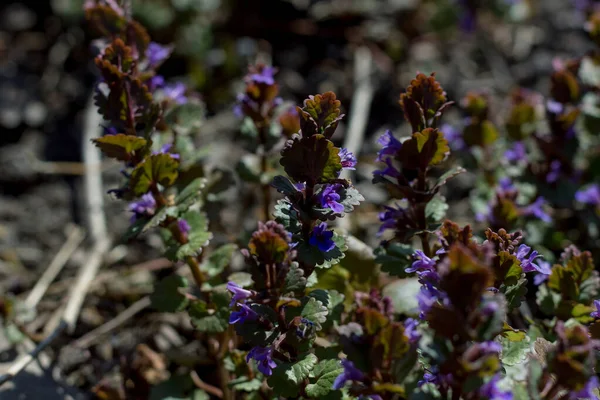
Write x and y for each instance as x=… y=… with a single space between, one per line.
x=315 y=194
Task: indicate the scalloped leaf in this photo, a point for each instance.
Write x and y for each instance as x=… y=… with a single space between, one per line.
x=311 y=159
x=186 y=118
x=326 y=372
x=314 y=311
x=294 y=280
x=424 y=149
x=154 y=170
x=394 y=258
x=120 y=146
x=198 y=237
x=168 y=296
x=321 y=111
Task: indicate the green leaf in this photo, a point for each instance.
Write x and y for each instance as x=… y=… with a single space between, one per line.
x=198 y=237
x=168 y=295
x=311 y=159
x=155 y=169
x=314 y=311
x=448 y=175
x=514 y=293
x=300 y=370
x=185 y=118
x=219 y=259
x=295 y=282
x=189 y=196
x=515 y=352
x=244 y=384
x=403 y=293
x=350 y=197
x=205 y=320
x=248 y=168
x=325 y=371
x=243 y=279
x=287 y=216
x=394 y=258
x=122 y=147
x=435 y=210
x=284 y=186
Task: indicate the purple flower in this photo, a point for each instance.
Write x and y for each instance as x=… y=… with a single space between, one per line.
x=348 y=159
x=145 y=206
x=554 y=106
x=266 y=76
x=588 y=392
x=537 y=210
x=329 y=198
x=554 y=173
x=411 y=331
x=453 y=136
x=544 y=271
x=505 y=184
x=300 y=186
x=390 y=144
x=156 y=54
x=490 y=308
x=244 y=314
x=389 y=170
x=322 y=238
x=421 y=263
x=527 y=262
x=350 y=373
x=389 y=217
x=491 y=391
x=156 y=82
x=428 y=377
x=238 y=292
x=590 y=195
x=516 y=153
x=596 y=314
x=426 y=298
x=176 y=92
x=183 y=226
x=490 y=347
x=264 y=359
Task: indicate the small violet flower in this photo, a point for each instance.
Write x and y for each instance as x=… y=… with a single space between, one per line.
x=350 y=373
x=264 y=359
x=390 y=144
x=537 y=210
x=176 y=92
x=554 y=173
x=322 y=238
x=589 y=195
x=453 y=136
x=265 y=76
x=244 y=314
x=596 y=314
x=588 y=392
x=527 y=262
x=411 y=331
x=238 y=292
x=329 y=198
x=145 y=206
x=156 y=54
x=421 y=263
x=491 y=391
x=156 y=82
x=348 y=159
x=516 y=153
x=184 y=227
x=543 y=273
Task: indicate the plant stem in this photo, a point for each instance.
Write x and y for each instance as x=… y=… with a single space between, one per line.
x=266 y=189
x=196 y=271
